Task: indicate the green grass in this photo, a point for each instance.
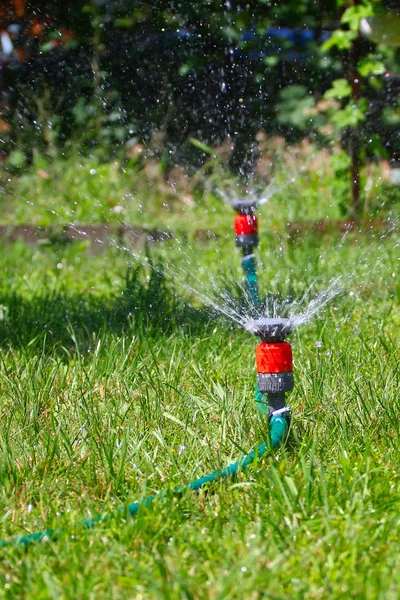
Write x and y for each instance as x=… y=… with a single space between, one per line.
x=311 y=185
x=116 y=384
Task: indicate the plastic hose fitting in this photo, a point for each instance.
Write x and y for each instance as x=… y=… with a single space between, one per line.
x=246 y=230
x=274 y=365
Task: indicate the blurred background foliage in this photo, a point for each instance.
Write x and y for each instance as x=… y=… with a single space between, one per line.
x=189 y=83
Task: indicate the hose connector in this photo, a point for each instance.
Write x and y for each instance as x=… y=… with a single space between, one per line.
x=246 y=230
x=245 y=223
x=274 y=360
x=274 y=365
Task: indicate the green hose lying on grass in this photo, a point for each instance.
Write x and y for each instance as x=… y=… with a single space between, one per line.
x=278 y=430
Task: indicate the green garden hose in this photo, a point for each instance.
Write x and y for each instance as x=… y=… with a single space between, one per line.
x=278 y=430
x=249 y=268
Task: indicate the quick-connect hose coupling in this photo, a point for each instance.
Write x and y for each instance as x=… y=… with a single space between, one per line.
x=246 y=230
x=274 y=364
x=274 y=360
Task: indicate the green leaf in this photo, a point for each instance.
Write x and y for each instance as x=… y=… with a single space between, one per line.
x=340 y=89
x=124 y=22
x=375 y=83
x=371 y=66
x=375 y=146
x=16 y=159
x=293 y=92
x=339 y=39
x=295 y=106
x=47 y=46
x=391 y=116
x=352 y=16
x=201 y=146
x=270 y=61
x=350 y=116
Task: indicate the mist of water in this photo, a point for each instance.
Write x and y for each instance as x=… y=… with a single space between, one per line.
x=249 y=194
x=231 y=299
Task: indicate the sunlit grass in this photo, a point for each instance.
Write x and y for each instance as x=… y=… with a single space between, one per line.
x=114 y=386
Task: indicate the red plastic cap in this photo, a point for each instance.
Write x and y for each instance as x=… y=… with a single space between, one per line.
x=274 y=358
x=246 y=224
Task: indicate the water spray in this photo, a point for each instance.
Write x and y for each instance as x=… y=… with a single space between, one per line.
x=246 y=238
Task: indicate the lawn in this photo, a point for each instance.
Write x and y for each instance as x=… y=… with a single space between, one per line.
x=118 y=382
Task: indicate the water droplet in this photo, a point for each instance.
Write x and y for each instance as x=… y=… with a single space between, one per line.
x=182 y=449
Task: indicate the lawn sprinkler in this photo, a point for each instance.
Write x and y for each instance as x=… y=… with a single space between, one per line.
x=275 y=378
x=273 y=363
x=246 y=237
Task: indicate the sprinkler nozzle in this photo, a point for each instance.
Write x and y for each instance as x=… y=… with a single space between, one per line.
x=270 y=330
x=245 y=207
